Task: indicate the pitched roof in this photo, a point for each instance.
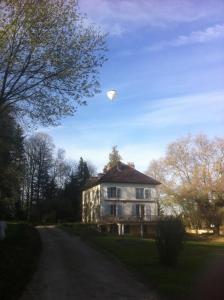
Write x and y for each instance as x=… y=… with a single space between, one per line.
x=122 y=173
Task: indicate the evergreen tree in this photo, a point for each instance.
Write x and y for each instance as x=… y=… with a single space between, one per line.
x=11 y=165
x=83 y=172
x=71 y=200
x=50 y=203
x=114 y=159
x=71 y=196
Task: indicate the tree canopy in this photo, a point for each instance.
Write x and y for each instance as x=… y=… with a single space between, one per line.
x=192 y=173
x=50 y=58
x=114 y=158
x=11 y=163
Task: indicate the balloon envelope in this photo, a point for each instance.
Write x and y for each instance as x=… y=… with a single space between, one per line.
x=112 y=94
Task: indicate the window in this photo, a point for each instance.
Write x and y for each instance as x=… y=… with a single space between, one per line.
x=147 y=193
x=140 y=210
x=126 y=229
x=118 y=193
x=113 y=210
x=139 y=193
x=113 y=192
x=137 y=210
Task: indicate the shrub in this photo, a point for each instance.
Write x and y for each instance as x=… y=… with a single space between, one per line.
x=169 y=237
x=85 y=231
x=19 y=254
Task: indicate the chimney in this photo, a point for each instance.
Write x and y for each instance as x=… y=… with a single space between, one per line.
x=100 y=175
x=131 y=164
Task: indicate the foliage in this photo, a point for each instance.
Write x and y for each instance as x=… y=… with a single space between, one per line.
x=85 y=231
x=35 y=183
x=114 y=159
x=19 y=254
x=38 y=164
x=169 y=237
x=192 y=173
x=52 y=186
x=50 y=59
x=92 y=168
x=70 y=196
x=83 y=172
x=62 y=169
x=11 y=165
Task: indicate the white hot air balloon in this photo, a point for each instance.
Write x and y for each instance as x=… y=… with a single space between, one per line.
x=112 y=94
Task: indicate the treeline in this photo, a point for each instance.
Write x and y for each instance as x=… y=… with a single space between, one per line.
x=192 y=176
x=37 y=183
x=43 y=80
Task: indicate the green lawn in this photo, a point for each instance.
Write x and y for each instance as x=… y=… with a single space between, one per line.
x=140 y=256
x=19 y=253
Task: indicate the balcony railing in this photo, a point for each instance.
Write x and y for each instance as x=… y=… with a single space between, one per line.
x=121 y=199
x=128 y=218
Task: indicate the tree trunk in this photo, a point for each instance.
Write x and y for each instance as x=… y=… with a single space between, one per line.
x=217 y=229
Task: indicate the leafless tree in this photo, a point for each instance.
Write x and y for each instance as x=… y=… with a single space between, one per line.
x=192 y=173
x=38 y=165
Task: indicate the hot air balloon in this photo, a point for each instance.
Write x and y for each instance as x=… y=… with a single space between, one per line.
x=112 y=94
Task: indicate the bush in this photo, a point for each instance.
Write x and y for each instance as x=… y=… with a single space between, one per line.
x=85 y=231
x=170 y=233
x=19 y=254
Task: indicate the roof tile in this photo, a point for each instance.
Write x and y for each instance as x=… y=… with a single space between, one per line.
x=122 y=173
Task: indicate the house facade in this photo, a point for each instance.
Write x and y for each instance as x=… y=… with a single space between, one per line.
x=123 y=199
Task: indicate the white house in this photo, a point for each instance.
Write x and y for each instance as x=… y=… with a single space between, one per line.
x=121 y=199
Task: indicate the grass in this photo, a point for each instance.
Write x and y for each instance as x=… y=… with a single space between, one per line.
x=140 y=256
x=19 y=253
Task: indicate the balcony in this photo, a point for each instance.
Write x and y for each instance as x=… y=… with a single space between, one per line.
x=104 y=196
x=128 y=218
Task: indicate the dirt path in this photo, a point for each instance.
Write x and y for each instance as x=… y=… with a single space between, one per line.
x=70 y=269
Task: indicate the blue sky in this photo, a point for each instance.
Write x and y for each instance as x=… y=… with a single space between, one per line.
x=166 y=61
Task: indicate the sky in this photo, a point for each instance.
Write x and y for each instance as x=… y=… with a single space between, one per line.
x=166 y=61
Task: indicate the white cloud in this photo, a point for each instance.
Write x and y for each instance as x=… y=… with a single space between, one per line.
x=200 y=109
x=164 y=119
x=207 y=35
x=49 y=129
x=119 y=16
x=195 y=37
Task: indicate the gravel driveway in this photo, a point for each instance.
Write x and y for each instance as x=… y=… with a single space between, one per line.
x=70 y=269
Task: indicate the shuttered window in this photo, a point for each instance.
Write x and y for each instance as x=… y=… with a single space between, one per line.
x=137 y=210
x=113 y=210
x=147 y=193
x=140 y=210
x=139 y=193
x=113 y=192
x=118 y=193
